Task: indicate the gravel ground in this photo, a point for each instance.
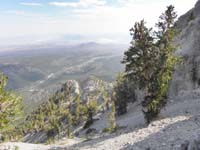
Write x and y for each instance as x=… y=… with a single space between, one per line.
x=179 y=121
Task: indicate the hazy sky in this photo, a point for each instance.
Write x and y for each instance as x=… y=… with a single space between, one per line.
x=31 y=21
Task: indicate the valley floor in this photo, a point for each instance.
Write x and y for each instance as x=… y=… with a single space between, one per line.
x=178 y=122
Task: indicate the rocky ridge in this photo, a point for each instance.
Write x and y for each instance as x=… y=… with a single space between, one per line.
x=178 y=126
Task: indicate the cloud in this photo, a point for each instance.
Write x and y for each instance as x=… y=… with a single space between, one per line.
x=81 y=3
x=15 y=12
x=105 y=40
x=30 y=4
x=93 y=19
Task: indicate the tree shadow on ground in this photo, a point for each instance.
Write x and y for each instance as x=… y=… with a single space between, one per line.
x=93 y=142
x=160 y=137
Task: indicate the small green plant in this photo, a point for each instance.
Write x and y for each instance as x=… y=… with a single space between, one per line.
x=69 y=135
x=191 y=17
x=107 y=130
x=16 y=147
x=50 y=140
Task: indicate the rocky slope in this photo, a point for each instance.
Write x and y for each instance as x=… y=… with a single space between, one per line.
x=59 y=113
x=178 y=126
x=187 y=75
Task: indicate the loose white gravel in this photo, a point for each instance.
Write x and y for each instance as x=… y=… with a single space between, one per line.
x=179 y=121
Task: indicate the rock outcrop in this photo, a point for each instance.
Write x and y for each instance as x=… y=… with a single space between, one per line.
x=187 y=75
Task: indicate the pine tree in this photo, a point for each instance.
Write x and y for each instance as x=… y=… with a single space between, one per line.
x=10 y=104
x=119 y=95
x=112 y=126
x=124 y=92
x=69 y=124
x=150 y=61
x=105 y=97
x=112 y=119
x=158 y=85
x=140 y=58
x=91 y=110
x=77 y=113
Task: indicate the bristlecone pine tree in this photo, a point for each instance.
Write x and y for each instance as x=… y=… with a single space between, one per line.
x=138 y=58
x=91 y=110
x=10 y=104
x=124 y=92
x=150 y=61
x=119 y=96
x=112 y=119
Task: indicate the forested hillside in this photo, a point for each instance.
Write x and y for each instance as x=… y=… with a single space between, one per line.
x=148 y=99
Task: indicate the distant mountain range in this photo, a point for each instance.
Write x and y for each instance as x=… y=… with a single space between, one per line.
x=31 y=69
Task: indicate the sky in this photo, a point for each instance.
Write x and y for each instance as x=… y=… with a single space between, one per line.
x=104 y=21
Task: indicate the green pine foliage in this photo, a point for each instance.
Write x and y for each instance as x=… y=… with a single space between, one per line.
x=150 y=61
x=124 y=92
x=191 y=17
x=111 y=119
x=61 y=113
x=91 y=109
x=159 y=84
x=140 y=57
x=51 y=117
x=77 y=114
x=10 y=105
x=106 y=96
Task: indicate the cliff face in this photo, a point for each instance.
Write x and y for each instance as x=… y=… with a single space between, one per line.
x=186 y=78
